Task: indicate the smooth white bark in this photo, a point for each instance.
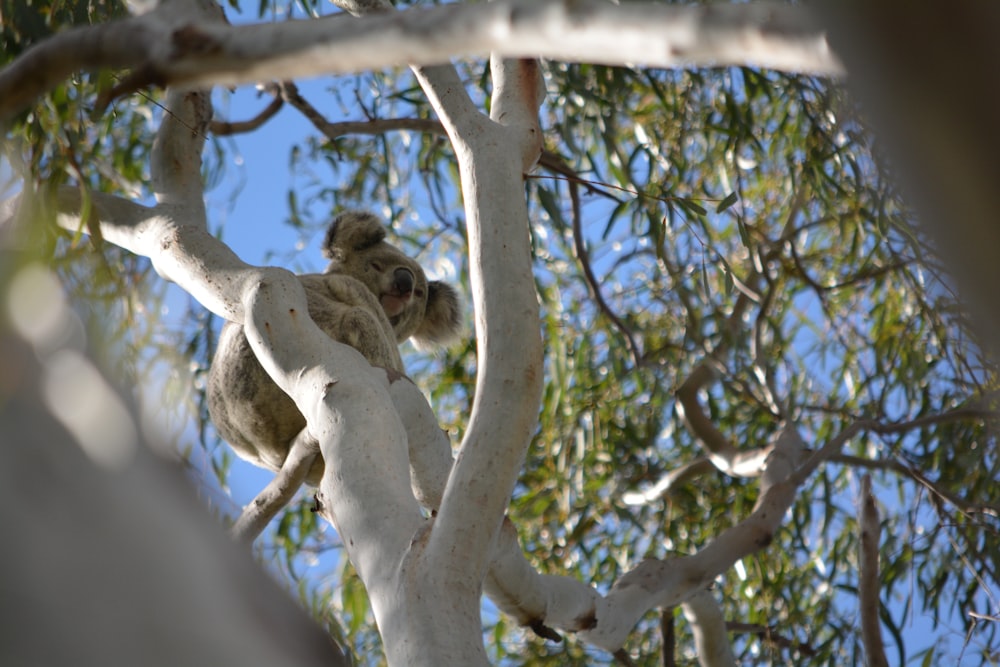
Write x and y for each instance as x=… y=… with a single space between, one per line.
x=173 y=45
x=429 y=446
x=446 y=566
x=279 y=491
x=508 y=327
x=723 y=453
x=708 y=625
x=122 y=566
x=649 y=34
x=366 y=488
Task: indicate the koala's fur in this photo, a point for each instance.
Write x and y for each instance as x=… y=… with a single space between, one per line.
x=371 y=297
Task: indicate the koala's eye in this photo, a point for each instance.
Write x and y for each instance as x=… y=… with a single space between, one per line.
x=376 y=266
x=419 y=293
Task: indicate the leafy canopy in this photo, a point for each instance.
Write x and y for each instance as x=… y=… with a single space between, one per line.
x=734 y=219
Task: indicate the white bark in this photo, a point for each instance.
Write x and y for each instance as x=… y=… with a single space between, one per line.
x=606 y=621
x=279 y=491
x=492 y=157
x=115 y=563
x=173 y=45
x=429 y=446
x=456 y=553
x=366 y=490
x=723 y=453
x=425 y=587
x=708 y=625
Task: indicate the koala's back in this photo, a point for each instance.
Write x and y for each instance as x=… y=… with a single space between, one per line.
x=251 y=412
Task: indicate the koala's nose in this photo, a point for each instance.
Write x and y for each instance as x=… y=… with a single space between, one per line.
x=402 y=281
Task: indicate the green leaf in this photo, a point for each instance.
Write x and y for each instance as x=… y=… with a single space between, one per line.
x=692 y=207
x=729 y=200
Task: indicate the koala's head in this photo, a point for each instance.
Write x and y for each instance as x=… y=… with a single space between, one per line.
x=428 y=311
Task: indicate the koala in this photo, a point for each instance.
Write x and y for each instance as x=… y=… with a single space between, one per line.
x=371 y=296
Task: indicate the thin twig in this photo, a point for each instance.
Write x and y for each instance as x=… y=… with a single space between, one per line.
x=290 y=93
x=834 y=445
x=899 y=465
x=768 y=634
x=668 y=638
x=222 y=127
x=580 y=246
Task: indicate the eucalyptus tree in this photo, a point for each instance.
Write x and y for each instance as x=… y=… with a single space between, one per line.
x=719 y=371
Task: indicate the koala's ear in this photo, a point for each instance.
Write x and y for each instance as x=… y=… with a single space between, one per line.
x=352 y=231
x=442 y=321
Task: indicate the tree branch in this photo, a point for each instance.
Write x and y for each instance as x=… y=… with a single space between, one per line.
x=279 y=491
x=669 y=637
x=171 y=45
x=115 y=45
x=606 y=621
x=133 y=535
x=868 y=580
x=223 y=127
x=663 y=486
x=902 y=467
x=711 y=640
x=365 y=490
x=726 y=456
x=491 y=157
x=769 y=635
x=583 y=256
x=290 y=93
